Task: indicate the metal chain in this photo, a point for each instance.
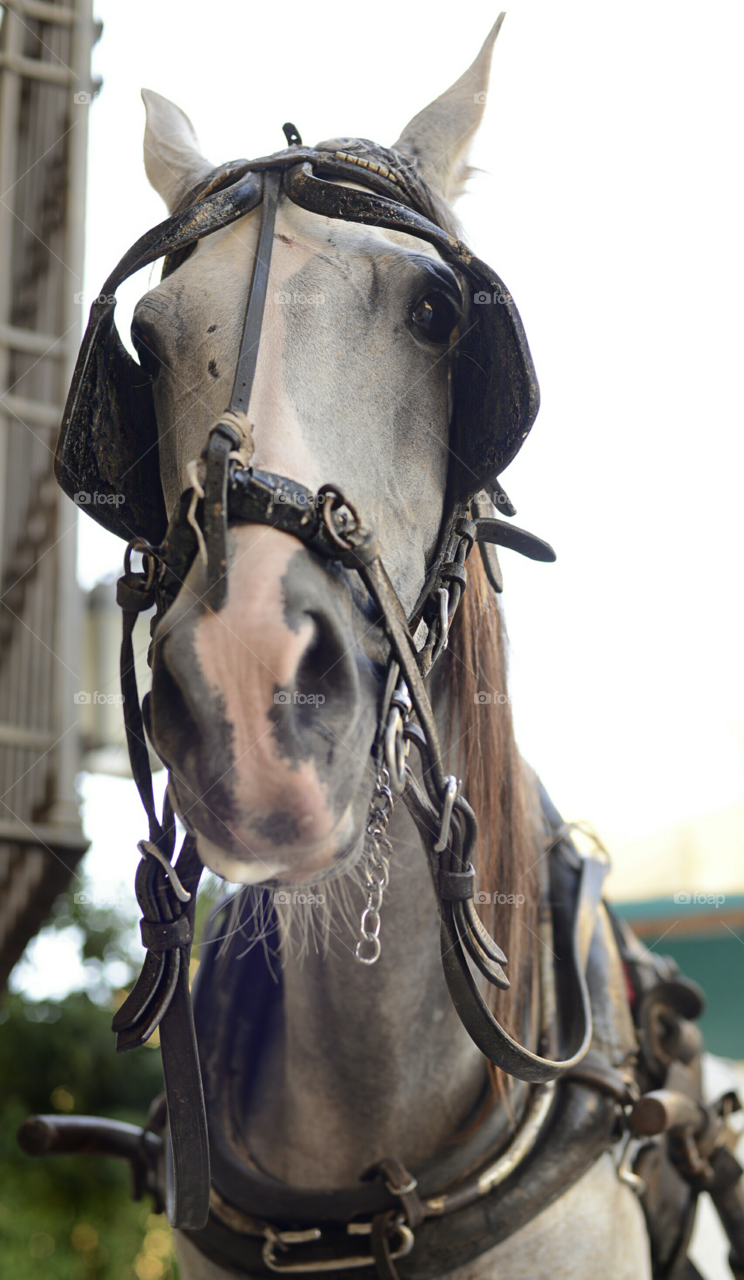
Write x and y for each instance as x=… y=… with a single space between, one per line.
x=376 y=870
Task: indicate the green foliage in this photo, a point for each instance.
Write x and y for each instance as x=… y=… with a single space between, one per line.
x=72 y=1218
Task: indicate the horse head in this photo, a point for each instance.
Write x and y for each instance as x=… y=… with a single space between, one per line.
x=266 y=709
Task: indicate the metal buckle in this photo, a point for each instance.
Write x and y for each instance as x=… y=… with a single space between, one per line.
x=396 y=747
x=444 y=624
x=286 y=1238
x=450 y=796
x=405 y=1190
x=625 y=1167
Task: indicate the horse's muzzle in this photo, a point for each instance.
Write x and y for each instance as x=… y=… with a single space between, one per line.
x=265 y=712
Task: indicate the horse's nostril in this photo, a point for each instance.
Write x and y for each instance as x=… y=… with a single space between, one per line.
x=326 y=676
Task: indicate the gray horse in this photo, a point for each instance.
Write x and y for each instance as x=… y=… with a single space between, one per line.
x=328 y=1080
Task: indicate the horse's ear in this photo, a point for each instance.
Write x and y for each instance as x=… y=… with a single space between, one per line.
x=439 y=137
x=173 y=159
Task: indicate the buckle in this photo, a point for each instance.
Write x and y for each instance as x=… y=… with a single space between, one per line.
x=283 y=1240
x=450 y=796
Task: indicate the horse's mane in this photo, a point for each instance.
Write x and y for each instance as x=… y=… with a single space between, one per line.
x=496 y=784
x=495 y=778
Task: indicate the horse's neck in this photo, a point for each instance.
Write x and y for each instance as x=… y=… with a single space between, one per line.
x=366 y=1062
x=363 y=1062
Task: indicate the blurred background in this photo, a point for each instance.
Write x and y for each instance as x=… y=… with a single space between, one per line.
x=607 y=194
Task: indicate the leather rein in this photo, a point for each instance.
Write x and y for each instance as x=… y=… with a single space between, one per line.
x=229 y=491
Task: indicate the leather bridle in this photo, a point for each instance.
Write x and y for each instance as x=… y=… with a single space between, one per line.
x=230 y=491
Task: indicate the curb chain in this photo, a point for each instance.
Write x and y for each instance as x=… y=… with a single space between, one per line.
x=376 y=870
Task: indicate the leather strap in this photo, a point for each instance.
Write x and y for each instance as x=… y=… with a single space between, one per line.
x=163 y=937
x=249 y=343
x=382 y=1227
x=222 y=440
x=402 y=1184
x=490 y=1037
x=161 y=995
x=457 y=886
x=578 y=1129
x=498 y=532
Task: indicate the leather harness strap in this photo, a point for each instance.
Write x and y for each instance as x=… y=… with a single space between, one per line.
x=248 y=355
x=446 y=822
x=161 y=995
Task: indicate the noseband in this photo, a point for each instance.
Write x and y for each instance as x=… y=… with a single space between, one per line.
x=227 y=490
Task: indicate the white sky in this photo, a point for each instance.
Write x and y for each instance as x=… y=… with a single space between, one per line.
x=611 y=204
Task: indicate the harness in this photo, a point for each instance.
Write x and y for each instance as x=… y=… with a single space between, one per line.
x=490 y=1181
x=494 y=411
x=108 y=444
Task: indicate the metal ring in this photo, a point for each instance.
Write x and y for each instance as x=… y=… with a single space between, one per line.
x=375 y=886
x=147 y=551
x=369 y=934
x=337 y=499
x=376 y=945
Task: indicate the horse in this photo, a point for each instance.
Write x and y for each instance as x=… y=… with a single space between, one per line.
x=373 y=1097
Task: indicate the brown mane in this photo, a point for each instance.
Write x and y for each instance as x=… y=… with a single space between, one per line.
x=495 y=783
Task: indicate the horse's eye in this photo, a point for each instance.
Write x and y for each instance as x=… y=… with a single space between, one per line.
x=435 y=317
x=146 y=355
